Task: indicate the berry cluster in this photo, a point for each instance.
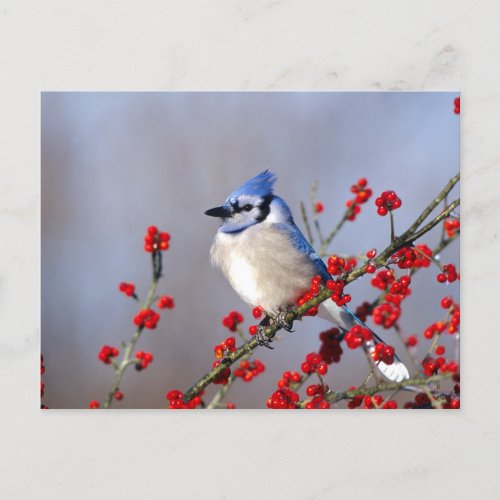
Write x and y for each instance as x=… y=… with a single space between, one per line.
x=289 y=378
x=423 y=256
x=452 y=323
x=338 y=265
x=224 y=348
x=454 y=312
x=363 y=194
x=401 y=286
x=449 y=274
x=232 y=320
x=107 y=352
x=456 y=104
x=175 y=401
x=451 y=226
x=399 y=290
x=405 y=258
x=127 y=288
x=356 y=336
x=144 y=358
x=387 y=202
x=330 y=349
x=248 y=370
x=421 y=401
x=370 y=402
x=431 y=365
x=314 y=290
x=370 y=267
x=435 y=328
x=166 y=302
x=386 y=314
x=364 y=310
x=383 y=279
x=384 y=353
x=147 y=318
x=337 y=289
x=283 y=399
x=155 y=241
x=317 y=393
x=314 y=363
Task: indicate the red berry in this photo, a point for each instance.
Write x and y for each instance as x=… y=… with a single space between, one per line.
x=319 y=207
x=166 y=302
x=257 y=312
x=94 y=405
x=252 y=330
x=118 y=395
x=440 y=350
x=322 y=369
x=152 y=230
x=412 y=341
x=306 y=367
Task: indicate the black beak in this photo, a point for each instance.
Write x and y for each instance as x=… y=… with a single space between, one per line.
x=221 y=212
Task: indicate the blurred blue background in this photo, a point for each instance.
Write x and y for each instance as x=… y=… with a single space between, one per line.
x=115 y=163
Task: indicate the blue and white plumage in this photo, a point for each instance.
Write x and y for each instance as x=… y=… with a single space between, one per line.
x=267 y=259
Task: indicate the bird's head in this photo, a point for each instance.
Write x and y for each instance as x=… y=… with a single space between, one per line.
x=248 y=205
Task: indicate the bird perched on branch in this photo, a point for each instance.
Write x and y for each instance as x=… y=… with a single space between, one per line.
x=269 y=262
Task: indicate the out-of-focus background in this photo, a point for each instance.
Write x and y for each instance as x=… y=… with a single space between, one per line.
x=115 y=163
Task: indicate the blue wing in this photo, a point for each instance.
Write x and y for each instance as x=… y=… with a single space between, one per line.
x=299 y=241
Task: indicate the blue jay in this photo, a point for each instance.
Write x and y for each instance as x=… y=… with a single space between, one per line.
x=268 y=261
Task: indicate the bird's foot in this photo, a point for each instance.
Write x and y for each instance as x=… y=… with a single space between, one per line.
x=262 y=339
x=281 y=321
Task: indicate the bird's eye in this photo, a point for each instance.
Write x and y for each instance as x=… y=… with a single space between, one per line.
x=247 y=208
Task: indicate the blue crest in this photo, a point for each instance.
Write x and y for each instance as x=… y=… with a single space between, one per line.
x=260 y=185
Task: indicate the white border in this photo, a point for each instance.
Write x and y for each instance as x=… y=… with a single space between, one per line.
x=241 y=45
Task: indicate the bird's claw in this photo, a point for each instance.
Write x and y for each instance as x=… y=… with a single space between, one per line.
x=281 y=321
x=262 y=338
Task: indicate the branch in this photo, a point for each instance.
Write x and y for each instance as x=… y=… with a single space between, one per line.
x=126 y=360
x=335 y=397
x=349 y=211
x=434 y=203
x=306 y=223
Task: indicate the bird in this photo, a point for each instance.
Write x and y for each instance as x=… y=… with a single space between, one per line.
x=269 y=263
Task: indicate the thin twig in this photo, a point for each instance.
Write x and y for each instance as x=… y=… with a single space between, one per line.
x=306 y=222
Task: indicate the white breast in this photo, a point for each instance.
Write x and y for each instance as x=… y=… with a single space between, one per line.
x=262 y=266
